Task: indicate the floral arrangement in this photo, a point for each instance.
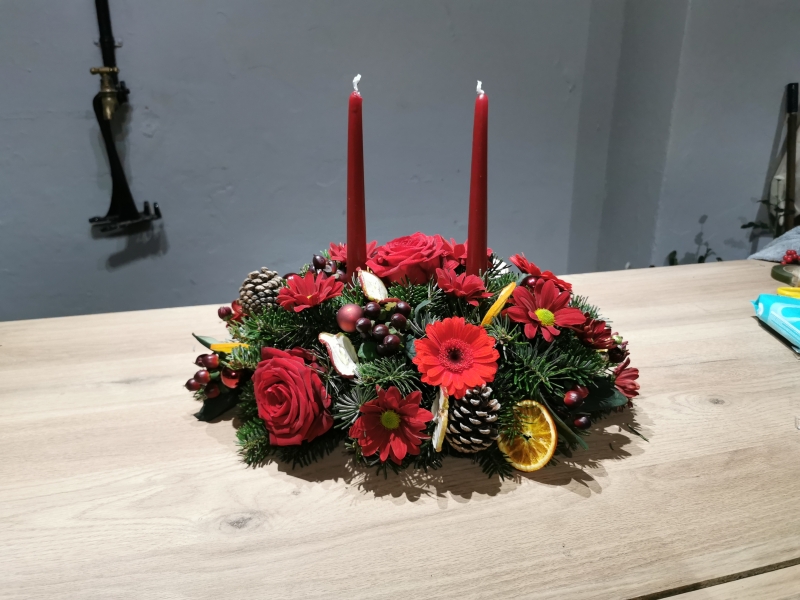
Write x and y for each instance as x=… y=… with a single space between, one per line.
x=411 y=359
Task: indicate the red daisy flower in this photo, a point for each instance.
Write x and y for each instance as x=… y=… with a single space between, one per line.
x=455 y=254
x=595 y=334
x=338 y=252
x=391 y=425
x=469 y=287
x=524 y=265
x=625 y=379
x=456 y=355
x=308 y=291
x=545 y=309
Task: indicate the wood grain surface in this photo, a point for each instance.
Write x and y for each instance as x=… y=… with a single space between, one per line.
x=109 y=488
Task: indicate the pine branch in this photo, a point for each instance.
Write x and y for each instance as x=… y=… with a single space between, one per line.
x=493 y=462
x=387 y=372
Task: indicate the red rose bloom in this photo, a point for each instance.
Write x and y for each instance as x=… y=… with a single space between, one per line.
x=595 y=334
x=391 y=425
x=545 y=309
x=455 y=255
x=456 y=355
x=414 y=257
x=308 y=291
x=524 y=265
x=338 y=252
x=291 y=398
x=625 y=379
x=469 y=287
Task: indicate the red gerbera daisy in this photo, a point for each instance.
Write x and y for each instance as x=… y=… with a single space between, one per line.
x=391 y=425
x=545 y=309
x=469 y=287
x=625 y=379
x=338 y=252
x=524 y=265
x=456 y=355
x=308 y=291
x=455 y=254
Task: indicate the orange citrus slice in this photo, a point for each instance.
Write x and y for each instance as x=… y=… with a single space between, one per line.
x=536 y=443
x=498 y=305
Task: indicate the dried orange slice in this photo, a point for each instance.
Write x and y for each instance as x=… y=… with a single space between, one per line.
x=536 y=443
x=499 y=304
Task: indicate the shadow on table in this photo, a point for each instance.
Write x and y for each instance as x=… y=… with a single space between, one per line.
x=611 y=439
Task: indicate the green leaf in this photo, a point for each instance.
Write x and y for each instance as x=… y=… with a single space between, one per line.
x=564 y=430
x=368 y=351
x=420 y=306
x=411 y=348
x=214 y=407
x=206 y=340
x=595 y=404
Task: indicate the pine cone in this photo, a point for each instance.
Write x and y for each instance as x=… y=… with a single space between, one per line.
x=471 y=423
x=259 y=290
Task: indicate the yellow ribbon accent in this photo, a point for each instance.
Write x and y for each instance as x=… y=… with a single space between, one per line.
x=498 y=305
x=226 y=347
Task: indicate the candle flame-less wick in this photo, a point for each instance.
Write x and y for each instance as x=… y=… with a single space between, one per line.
x=479 y=89
x=356 y=79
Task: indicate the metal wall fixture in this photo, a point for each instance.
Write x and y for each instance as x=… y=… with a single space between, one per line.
x=122 y=214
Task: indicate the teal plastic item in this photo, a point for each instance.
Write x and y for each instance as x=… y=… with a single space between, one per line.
x=782 y=315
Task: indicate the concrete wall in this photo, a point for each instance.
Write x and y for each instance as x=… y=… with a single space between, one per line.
x=615 y=126
x=237 y=127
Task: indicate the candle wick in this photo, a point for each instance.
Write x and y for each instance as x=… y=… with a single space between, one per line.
x=357 y=78
x=480 y=89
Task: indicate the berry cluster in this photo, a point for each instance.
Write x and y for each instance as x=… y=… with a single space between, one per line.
x=790 y=258
x=211 y=373
x=382 y=324
x=320 y=264
x=573 y=399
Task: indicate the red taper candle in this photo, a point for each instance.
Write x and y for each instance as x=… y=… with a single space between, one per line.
x=477 y=242
x=356 y=214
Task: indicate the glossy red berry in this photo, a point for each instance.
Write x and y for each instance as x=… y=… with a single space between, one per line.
x=398 y=321
x=202 y=376
x=572 y=399
x=582 y=390
x=403 y=308
x=382 y=350
x=224 y=312
x=392 y=343
x=582 y=422
x=212 y=390
x=193 y=385
x=372 y=310
x=364 y=325
x=210 y=361
x=319 y=261
x=230 y=378
x=380 y=331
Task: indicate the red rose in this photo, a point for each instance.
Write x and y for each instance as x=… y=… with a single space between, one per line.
x=291 y=398
x=414 y=257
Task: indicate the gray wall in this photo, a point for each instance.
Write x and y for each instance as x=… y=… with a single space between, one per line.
x=605 y=117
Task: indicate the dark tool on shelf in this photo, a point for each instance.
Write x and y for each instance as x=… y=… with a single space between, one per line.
x=791 y=156
x=122 y=214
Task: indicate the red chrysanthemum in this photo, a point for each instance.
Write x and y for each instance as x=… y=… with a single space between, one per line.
x=545 y=309
x=391 y=425
x=524 y=265
x=455 y=255
x=469 y=287
x=595 y=334
x=338 y=252
x=625 y=379
x=308 y=291
x=456 y=355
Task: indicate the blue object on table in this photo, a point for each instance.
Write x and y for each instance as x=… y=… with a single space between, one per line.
x=782 y=315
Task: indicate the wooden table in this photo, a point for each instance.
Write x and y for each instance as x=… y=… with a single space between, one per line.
x=109 y=488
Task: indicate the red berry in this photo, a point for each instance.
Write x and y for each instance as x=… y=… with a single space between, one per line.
x=572 y=399
x=392 y=343
x=319 y=261
x=224 y=312
x=372 y=310
x=364 y=325
x=398 y=321
x=582 y=390
x=379 y=332
x=212 y=390
x=230 y=378
x=199 y=360
x=582 y=423
x=210 y=361
x=193 y=385
x=382 y=350
x=404 y=308
x=202 y=376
